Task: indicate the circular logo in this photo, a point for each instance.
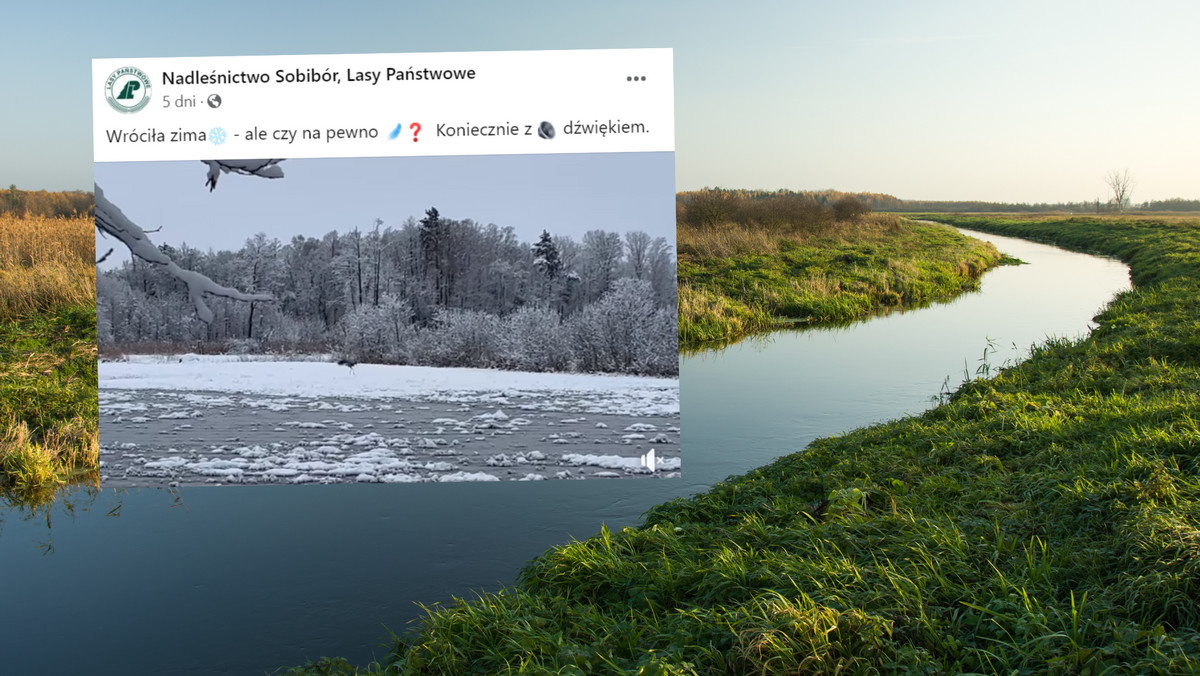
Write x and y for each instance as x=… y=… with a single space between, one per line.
x=127 y=90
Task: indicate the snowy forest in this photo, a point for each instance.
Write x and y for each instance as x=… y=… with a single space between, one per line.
x=433 y=292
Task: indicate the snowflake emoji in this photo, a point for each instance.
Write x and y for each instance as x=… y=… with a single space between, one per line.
x=216 y=135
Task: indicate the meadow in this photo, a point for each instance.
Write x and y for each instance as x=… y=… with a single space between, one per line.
x=1045 y=520
x=754 y=264
x=48 y=398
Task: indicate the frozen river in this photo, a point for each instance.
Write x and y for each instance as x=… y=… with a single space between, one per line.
x=171 y=438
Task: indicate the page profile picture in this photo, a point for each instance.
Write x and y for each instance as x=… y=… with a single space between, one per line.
x=127 y=90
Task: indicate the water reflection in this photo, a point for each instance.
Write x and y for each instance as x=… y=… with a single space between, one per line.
x=41 y=508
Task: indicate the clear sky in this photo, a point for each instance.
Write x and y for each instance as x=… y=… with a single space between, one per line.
x=1013 y=101
x=564 y=194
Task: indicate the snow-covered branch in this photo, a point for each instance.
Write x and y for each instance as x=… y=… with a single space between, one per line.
x=111 y=221
x=261 y=168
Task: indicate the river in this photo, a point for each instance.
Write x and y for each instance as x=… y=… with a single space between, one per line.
x=242 y=580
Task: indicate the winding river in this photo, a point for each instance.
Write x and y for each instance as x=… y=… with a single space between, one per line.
x=210 y=580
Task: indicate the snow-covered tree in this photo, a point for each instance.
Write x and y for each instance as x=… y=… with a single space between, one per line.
x=546 y=257
x=260 y=271
x=637 y=246
x=533 y=339
x=459 y=338
x=378 y=333
x=626 y=332
x=548 y=262
x=662 y=273
x=601 y=254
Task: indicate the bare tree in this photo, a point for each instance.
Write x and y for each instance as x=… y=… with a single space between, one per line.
x=1121 y=184
x=637 y=244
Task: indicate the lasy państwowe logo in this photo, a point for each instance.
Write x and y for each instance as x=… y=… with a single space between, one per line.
x=127 y=89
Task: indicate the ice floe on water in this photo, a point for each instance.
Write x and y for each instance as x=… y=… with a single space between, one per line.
x=286 y=434
x=632 y=465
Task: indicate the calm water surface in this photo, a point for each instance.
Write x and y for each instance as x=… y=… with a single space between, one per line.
x=242 y=580
x=766 y=396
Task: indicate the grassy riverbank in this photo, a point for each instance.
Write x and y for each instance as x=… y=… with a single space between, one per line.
x=48 y=409
x=1044 y=521
x=735 y=278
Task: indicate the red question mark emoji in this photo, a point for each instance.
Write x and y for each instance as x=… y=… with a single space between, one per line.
x=416 y=127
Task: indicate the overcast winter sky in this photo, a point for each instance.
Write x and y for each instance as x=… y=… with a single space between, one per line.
x=1018 y=101
x=564 y=194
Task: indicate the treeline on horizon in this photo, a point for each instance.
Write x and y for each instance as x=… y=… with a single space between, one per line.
x=17 y=203
x=433 y=292
x=710 y=206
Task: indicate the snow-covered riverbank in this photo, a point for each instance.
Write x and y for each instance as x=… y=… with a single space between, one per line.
x=575 y=392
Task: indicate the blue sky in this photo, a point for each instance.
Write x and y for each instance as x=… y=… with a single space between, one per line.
x=1020 y=101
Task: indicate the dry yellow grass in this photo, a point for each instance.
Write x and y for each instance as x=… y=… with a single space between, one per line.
x=45 y=263
x=733 y=239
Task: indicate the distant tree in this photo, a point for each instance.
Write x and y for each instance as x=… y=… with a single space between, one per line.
x=378 y=333
x=431 y=237
x=546 y=257
x=260 y=269
x=15 y=200
x=707 y=208
x=1121 y=185
x=534 y=339
x=662 y=272
x=849 y=208
x=548 y=261
x=637 y=247
x=1173 y=204
x=602 y=254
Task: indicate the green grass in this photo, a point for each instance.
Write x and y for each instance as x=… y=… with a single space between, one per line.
x=737 y=279
x=1046 y=520
x=48 y=402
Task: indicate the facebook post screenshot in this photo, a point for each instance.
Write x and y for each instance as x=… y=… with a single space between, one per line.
x=386 y=268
